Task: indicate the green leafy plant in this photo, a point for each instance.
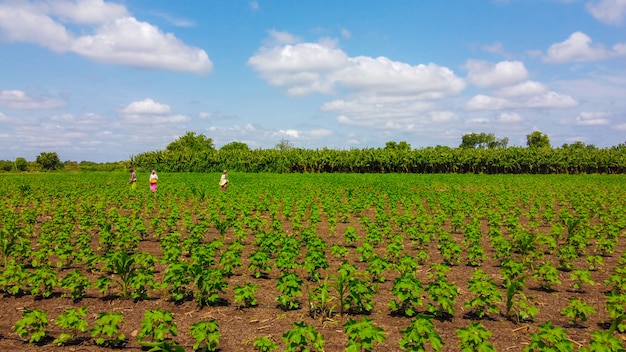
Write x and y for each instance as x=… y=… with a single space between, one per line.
x=264 y=344
x=32 y=325
x=72 y=322
x=303 y=337
x=577 y=310
x=548 y=276
x=259 y=263
x=76 y=283
x=408 y=291
x=603 y=341
x=441 y=292
x=418 y=334
x=156 y=326
x=207 y=335
x=245 y=295
x=362 y=335
x=290 y=287
x=549 y=338
x=42 y=281
x=107 y=330
x=580 y=277
x=486 y=294
x=320 y=301
x=209 y=284
x=475 y=338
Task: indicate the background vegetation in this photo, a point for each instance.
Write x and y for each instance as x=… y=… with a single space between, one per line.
x=477 y=153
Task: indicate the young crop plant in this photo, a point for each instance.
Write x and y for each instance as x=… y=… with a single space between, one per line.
x=32 y=325
x=580 y=277
x=245 y=295
x=362 y=335
x=231 y=259
x=259 y=263
x=207 y=335
x=376 y=268
x=475 y=254
x=365 y=251
x=42 y=281
x=548 y=276
x=350 y=236
x=418 y=334
x=408 y=291
x=517 y=302
x=107 y=330
x=157 y=328
x=133 y=271
x=76 y=283
x=441 y=292
x=72 y=322
x=339 y=251
x=290 y=287
x=577 y=311
x=549 y=338
x=209 y=284
x=314 y=260
x=320 y=301
x=177 y=281
x=450 y=251
x=395 y=248
x=616 y=306
x=303 y=337
x=264 y=344
x=407 y=265
x=567 y=255
x=604 y=341
x=617 y=279
x=594 y=262
x=486 y=295
x=475 y=338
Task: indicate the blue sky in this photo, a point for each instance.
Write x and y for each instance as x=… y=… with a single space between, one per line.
x=103 y=80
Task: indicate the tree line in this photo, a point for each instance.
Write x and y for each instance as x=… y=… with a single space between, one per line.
x=477 y=153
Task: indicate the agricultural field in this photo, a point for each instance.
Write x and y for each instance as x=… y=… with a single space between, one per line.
x=294 y=262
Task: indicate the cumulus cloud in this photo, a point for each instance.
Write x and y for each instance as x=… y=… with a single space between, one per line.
x=579 y=48
x=107 y=34
x=509 y=117
x=549 y=100
x=19 y=100
x=146 y=106
x=587 y=118
x=608 y=11
x=379 y=90
x=485 y=74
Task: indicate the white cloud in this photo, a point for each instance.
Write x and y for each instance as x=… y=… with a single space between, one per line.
x=146 y=107
x=509 y=117
x=115 y=38
x=587 y=118
x=523 y=89
x=85 y=11
x=549 y=100
x=17 y=99
x=386 y=77
x=485 y=74
x=608 y=11
x=578 y=48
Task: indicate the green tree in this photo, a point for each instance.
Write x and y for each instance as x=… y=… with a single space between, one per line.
x=482 y=140
x=235 y=147
x=21 y=164
x=49 y=161
x=537 y=140
x=402 y=146
x=191 y=142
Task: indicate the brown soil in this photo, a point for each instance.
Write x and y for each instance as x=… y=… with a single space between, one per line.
x=239 y=327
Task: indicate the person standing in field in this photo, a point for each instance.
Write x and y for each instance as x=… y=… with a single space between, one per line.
x=224 y=181
x=153 y=181
x=133 y=179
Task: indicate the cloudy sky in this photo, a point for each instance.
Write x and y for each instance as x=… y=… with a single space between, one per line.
x=103 y=80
